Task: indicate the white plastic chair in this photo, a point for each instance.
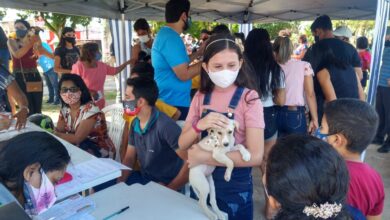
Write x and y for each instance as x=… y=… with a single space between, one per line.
x=186 y=190
x=115 y=124
x=180 y=123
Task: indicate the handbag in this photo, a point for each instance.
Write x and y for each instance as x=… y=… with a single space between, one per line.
x=31 y=86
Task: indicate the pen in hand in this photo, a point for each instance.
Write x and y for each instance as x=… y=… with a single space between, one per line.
x=116 y=213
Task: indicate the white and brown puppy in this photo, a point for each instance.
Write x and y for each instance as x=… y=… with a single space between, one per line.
x=38 y=45
x=219 y=142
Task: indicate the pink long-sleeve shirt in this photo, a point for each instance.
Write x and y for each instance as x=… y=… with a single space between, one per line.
x=95 y=77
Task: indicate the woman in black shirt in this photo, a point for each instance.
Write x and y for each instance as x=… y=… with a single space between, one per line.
x=66 y=54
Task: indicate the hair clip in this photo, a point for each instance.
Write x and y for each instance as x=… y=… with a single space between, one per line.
x=324 y=211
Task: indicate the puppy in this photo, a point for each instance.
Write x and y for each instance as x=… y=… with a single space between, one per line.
x=219 y=142
x=38 y=45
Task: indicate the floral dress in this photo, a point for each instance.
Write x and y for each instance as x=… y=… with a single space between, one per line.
x=97 y=142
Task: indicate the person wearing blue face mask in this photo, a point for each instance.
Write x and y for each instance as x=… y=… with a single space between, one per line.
x=94 y=72
x=32 y=175
x=350 y=132
x=24 y=62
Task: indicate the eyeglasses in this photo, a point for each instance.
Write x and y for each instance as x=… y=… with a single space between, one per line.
x=71 y=89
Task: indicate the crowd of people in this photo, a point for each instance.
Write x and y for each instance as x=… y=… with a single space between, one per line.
x=301 y=112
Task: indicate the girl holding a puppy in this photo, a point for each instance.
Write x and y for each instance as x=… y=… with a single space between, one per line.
x=226 y=93
x=24 y=62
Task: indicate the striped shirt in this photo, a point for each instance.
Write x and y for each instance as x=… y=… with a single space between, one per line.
x=384 y=73
x=5 y=79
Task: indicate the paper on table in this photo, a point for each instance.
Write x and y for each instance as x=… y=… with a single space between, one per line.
x=88 y=171
x=85 y=172
x=75 y=207
x=63 y=189
x=11 y=132
x=115 y=164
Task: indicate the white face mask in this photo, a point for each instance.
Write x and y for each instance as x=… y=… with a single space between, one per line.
x=144 y=38
x=43 y=197
x=224 y=78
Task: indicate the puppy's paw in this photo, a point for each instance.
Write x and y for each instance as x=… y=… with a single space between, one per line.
x=221 y=216
x=246 y=156
x=212 y=216
x=227 y=176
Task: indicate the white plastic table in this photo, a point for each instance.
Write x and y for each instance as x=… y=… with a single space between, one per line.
x=77 y=156
x=147 y=202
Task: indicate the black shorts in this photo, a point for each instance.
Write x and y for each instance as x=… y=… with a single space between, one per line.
x=364 y=80
x=270 y=119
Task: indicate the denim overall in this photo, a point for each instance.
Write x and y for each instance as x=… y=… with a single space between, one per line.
x=233 y=197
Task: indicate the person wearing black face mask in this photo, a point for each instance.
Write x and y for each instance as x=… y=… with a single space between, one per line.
x=170 y=59
x=66 y=53
x=24 y=62
x=322 y=30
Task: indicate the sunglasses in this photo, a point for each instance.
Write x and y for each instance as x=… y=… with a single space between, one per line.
x=71 y=89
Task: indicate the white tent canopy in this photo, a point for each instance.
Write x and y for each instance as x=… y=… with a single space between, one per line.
x=237 y=11
x=228 y=11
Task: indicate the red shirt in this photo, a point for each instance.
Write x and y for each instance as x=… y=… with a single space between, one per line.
x=366 y=190
x=28 y=61
x=365 y=58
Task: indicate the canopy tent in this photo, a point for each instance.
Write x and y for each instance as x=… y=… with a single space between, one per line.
x=230 y=11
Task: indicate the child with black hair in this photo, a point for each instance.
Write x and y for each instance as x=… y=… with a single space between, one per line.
x=350 y=132
x=365 y=58
x=144 y=69
x=153 y=139
x=306 y=189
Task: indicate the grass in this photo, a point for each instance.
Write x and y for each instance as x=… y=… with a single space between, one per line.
x=49 y=107
x=110 y=95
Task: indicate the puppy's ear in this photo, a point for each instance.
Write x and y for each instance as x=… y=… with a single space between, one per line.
x=236 y=124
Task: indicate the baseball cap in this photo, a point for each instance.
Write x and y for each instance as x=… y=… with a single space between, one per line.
x=342 y=31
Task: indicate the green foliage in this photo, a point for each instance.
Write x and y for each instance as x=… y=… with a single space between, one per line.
x=3 y=12
x=56 y=22
x=358 y=28
x=274 y=28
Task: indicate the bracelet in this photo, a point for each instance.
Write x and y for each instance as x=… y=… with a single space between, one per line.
x=195 y=127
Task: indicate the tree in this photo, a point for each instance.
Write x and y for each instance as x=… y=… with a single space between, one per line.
x=358 y=28
x=3 y=12
x=274 y=28
x=56 y=22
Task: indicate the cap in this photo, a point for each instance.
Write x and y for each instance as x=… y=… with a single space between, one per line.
x=343 y=31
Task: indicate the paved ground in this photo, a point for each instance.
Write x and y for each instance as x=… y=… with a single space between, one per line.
x=381 y=162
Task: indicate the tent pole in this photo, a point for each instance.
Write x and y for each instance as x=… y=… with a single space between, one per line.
x=123 y=76
x=382 y=16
